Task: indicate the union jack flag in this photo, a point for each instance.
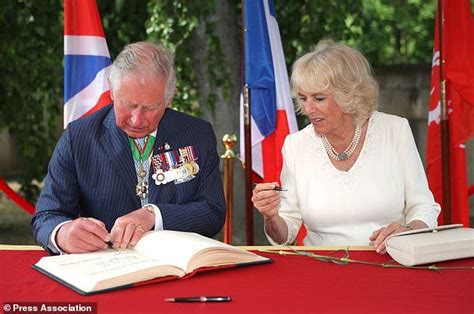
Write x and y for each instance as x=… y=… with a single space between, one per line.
x=86 y=60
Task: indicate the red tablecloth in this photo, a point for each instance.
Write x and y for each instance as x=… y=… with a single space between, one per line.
x=291 y=284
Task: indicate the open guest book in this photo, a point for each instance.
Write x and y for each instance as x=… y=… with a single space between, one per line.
x=158 y=256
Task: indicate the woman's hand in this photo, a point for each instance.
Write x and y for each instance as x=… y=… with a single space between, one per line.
x=266 y=200
x=380 y=236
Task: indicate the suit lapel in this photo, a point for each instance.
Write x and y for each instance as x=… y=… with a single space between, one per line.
x=115 y=143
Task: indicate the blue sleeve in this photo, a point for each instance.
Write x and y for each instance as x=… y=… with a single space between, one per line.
x=206 y=213
x=59 y=199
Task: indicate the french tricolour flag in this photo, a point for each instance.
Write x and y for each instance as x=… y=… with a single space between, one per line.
x=86 y=60
x=272 y=111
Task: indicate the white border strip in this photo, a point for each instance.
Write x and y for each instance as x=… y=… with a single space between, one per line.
x=86 y=45
x=282 y=84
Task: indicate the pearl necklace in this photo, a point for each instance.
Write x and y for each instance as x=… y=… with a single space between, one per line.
x=348 y=151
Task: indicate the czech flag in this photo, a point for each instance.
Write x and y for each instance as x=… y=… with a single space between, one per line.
x=86 y=60
x=271 y=106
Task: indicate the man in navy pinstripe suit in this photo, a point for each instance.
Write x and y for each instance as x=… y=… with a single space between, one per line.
x=131 y=167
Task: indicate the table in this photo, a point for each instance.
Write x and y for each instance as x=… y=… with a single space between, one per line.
x=291 y=284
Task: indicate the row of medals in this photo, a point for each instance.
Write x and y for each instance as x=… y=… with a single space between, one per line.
x=186 y=171
x=180 y=174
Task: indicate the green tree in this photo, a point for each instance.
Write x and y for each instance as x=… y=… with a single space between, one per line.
x=397 y=31
x=31 y=82
x=177 y=25
x=386 y=31
x=123 y=22
x=303 y=23
x=206 y=39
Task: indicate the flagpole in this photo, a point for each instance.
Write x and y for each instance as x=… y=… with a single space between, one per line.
x=248 y=141
x=248 y=167
x=445 y=156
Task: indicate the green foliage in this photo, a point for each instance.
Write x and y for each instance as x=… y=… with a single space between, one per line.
x=174 y=24
x=397 y=31
x=123 y=21
x=31 y=81
x=303 y=23
x=386 y=31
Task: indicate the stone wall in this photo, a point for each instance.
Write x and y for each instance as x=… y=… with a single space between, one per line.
x=10 y=164
x=404 y=90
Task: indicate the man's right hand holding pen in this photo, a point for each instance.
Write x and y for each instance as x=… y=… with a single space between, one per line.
x=266 y=199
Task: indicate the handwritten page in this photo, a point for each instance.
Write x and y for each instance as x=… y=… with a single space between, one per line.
x=89 y=270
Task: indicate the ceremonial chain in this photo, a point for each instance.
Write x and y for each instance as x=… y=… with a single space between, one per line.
x=348 y=151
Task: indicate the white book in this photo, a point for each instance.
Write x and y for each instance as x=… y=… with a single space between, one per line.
x=161 y=255
x=430 y=245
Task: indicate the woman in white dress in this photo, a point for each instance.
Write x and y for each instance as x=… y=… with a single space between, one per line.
x=353 y=176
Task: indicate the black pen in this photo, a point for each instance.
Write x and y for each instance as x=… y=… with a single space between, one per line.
x=276 y=188
x=200 y=299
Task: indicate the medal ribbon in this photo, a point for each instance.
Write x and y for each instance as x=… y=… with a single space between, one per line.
x=142 y=154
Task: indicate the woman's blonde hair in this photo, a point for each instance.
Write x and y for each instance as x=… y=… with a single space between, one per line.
x=334 y=68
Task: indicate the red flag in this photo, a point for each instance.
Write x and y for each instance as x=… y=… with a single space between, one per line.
x=458 y=72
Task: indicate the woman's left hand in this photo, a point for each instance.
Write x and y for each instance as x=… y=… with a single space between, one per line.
x=380 y=236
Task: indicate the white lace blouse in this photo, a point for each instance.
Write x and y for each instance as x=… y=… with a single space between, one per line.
x=387 y=183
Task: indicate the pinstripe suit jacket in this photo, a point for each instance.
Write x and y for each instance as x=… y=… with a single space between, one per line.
x=92 y=174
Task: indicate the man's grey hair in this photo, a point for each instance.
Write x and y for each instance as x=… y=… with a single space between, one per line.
x=148 y=59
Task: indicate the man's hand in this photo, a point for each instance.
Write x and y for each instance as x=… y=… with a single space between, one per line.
x=82 y=235
x=129 y=228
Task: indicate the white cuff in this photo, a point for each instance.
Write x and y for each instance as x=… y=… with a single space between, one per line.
x=158 y=217
x=292 y=232
x=52 y=245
